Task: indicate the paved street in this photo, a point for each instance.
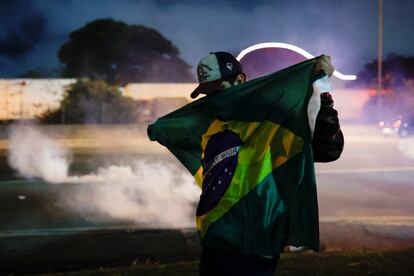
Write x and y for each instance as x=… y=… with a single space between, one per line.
x=372 y=183
x=365 y=201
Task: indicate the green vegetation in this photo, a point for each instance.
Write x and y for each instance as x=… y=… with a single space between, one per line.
x=120 y=53
x=41 y=73
x=396 y=99
x=398 y=74
x=93 y=102
x=326 y=263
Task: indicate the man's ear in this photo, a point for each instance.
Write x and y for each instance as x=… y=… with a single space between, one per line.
x=241 y=78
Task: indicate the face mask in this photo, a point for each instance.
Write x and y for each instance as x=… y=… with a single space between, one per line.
x=225 y=84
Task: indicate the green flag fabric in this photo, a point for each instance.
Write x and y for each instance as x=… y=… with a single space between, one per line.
x=271 y=199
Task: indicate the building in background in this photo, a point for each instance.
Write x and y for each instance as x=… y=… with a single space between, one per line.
x=158 y=99
x=30 y=98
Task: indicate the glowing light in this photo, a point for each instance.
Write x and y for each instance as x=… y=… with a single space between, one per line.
x=292 y=48
x=397 y=123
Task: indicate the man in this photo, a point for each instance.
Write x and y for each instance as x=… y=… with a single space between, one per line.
x=219 y=71
x=251 y=146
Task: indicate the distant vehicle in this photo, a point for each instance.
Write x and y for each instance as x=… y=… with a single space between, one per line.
x=399 y=126
x=407 y=128
x=390 y=127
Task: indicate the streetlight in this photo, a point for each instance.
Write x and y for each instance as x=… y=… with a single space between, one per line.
x=22 y=85
x=379 y=71
x=379 y=60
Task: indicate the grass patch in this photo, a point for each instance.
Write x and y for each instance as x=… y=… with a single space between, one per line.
x=326 y=263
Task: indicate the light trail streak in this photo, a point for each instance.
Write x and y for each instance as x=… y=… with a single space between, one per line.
x=291 y=47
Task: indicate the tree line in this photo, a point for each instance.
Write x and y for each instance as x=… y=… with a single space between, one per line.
x=105 y=54
x=396 y=100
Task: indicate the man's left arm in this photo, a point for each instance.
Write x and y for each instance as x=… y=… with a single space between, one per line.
x=328 y=140
x=327 y=137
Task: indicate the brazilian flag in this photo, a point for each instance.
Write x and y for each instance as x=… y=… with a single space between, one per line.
x=269 y=197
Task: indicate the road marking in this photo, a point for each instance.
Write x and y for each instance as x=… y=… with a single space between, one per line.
x=371 y=220
x=131 y=229
x=371 y=139
x=332 y=171
x=367 y=170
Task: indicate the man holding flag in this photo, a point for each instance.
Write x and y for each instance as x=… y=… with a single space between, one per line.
x=251 y=147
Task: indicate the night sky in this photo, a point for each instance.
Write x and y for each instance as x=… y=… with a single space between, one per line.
x=32 y=30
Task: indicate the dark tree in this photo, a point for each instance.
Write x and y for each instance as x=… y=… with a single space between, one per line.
x=120 y=53
x=398 y=74
x=397 y=97
x=41 y=73
x=93 y=102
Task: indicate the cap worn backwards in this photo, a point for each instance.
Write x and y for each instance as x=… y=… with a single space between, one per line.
x=212 y=69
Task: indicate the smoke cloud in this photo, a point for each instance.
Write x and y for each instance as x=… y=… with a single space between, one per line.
x=34 y=155
x=406 y=147
x=146 y=193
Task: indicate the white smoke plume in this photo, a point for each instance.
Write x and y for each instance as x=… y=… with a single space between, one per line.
x=156 y=194
x=32 y=154
x=406 y=146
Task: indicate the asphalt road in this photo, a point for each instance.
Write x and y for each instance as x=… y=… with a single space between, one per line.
x=369 y=190
x=372 y=183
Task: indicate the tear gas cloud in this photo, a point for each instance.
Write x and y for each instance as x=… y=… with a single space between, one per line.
x=406 y=146
x=149 y=193
x=34 y=155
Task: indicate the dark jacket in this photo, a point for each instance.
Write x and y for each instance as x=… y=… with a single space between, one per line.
x=328 y=140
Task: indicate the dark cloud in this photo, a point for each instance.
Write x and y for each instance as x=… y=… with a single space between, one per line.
x=22 y=30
